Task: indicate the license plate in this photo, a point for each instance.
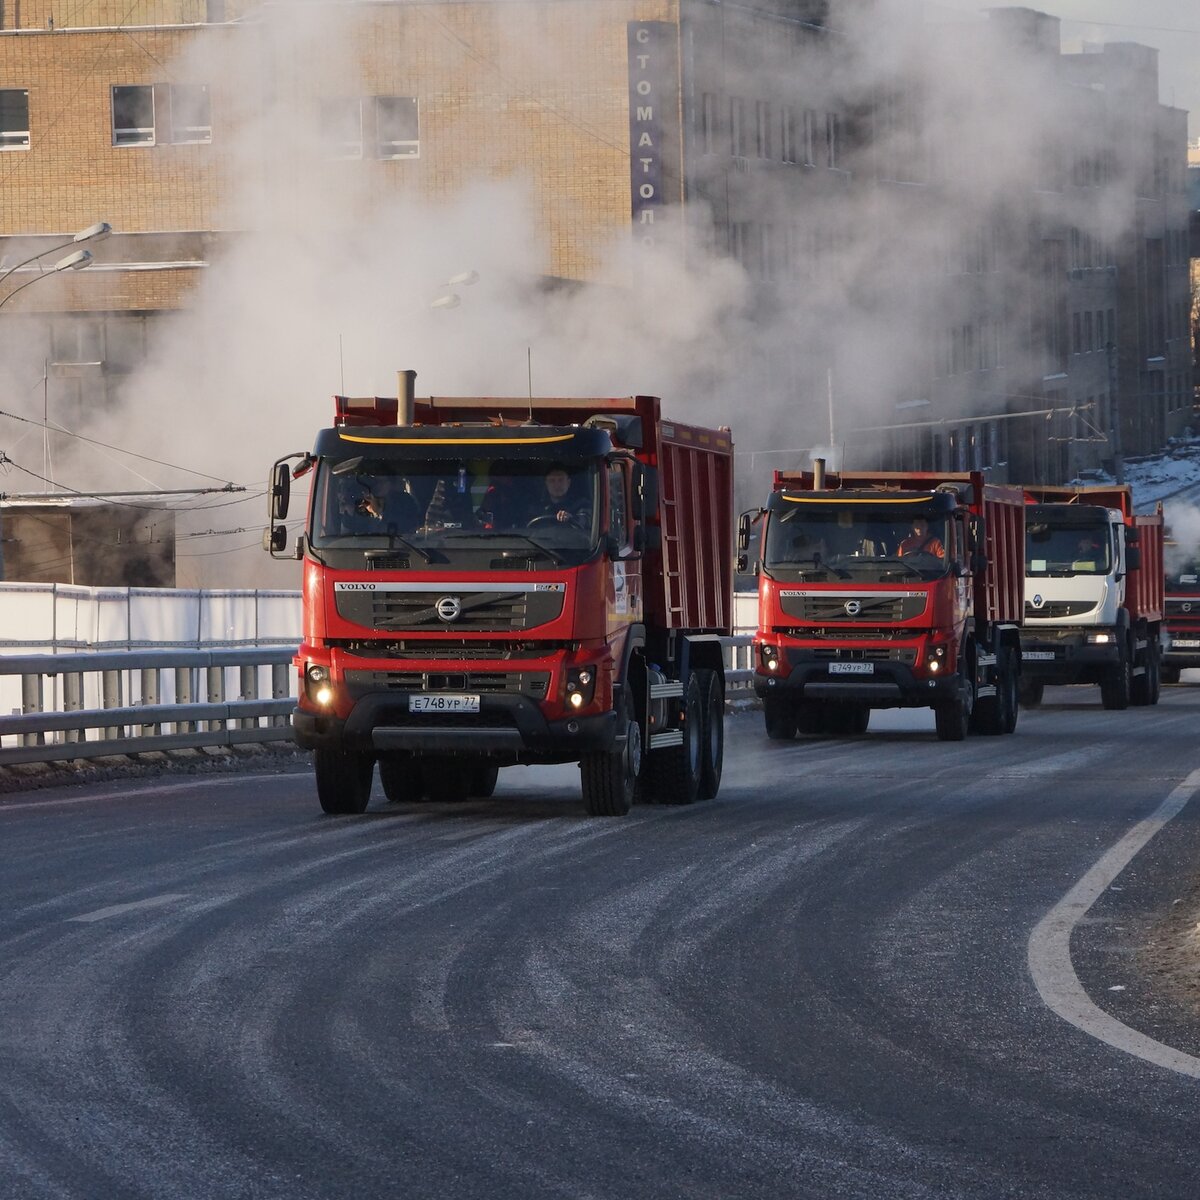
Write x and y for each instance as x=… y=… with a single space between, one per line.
x=1186 y=643
x=851 y=668
x=445 y=702
x=1038 y=655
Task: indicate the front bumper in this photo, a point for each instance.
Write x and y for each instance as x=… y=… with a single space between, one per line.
x=888 y=684
x=1066 y=656
x=507 y=728
x=1182 y=649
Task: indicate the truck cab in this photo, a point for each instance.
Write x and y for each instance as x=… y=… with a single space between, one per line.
x=1182 y=615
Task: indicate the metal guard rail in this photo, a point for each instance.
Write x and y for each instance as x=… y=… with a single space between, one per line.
x=151 y=725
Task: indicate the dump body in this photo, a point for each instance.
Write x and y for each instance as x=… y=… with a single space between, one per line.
x=889 y=589
x=1093 y=593
x=549 y=580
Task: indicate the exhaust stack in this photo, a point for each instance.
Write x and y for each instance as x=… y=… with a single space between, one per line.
x=818 y=474
x=407 y=389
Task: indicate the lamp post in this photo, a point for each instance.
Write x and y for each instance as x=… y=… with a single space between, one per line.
x=73 y=262
x=93 y=233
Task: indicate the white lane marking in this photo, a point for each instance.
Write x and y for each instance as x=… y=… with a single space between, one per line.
x=116 y=910
x=1050 y=945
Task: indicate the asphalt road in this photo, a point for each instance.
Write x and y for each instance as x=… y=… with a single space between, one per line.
x=817 y=985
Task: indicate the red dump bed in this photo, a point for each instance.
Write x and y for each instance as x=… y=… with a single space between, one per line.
x=1144 y=584
x=688 y=578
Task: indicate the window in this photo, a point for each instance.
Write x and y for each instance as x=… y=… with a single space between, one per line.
x=76 y=340
x=737 y=126
x=14 y=119
x=762 y=129
x=832 y=129
x=618 y=525
x=133 y=115
x=810 y=138
x=396 y=127
x=708 y=123
x=787 y=134
x=341 y=128
x=190 y=113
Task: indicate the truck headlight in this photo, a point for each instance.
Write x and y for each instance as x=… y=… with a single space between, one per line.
x=318 y=685
x=581 y=686
x=1100 y=639
x=769 y=656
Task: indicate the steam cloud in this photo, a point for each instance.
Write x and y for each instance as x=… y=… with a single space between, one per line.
x=329 y=288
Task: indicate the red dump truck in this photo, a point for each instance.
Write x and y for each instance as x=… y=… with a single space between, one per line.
x=1181 y=612
x=888 y=590
x=1093 y=594
x=492 y=581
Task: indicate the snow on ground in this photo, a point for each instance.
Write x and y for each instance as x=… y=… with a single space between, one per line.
x=1171 y=474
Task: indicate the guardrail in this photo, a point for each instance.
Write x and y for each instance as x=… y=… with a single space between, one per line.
x=89 y=705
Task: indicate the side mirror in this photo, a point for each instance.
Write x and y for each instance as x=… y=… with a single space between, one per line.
x=645 y=493
x=979 y=563
x=281 y=490
x=745 y=525
x=274 y=539
x=1133 y=558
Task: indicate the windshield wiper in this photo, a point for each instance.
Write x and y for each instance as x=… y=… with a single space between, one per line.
x=548 y=551
x=394 y=538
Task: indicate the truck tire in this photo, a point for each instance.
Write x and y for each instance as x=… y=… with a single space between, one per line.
x=780 y=719
x=1115 y=690
x=447 y=779
x=1169 y=674
x=675 y=770
x=807 y=715
x=1141 y=683
x=343 y=779
x=712 y=758
x=951 y=720
x=995 y=715
x=483 y=780
x=609 y=778
x=402 y=779
x=846 y=720
x=1030 y=692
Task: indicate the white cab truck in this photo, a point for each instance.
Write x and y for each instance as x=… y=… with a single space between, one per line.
x=1093 y=594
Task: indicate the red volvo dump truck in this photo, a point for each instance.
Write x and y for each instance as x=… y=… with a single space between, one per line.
x=1093 y=594
x=888 y=590
x=497 y=581
x=1181 y=613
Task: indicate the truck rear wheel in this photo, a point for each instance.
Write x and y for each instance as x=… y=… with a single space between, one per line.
x=1115 y=690
x=675 y=770
x=343 y=779
x=997 y=714
x=1148 y=685
x=1030 y=692
x=401 y=778
x=447 y=779
x=845 y=720
x=712 y=757
x=808 y=716
x=780 y=719
x=483 y=780
x=609 y=778
x=1169 y=674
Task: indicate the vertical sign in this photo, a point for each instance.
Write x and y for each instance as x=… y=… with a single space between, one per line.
x=653 y=124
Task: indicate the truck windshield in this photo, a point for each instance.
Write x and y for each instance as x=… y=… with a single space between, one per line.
x=1054 y=549
x=468 y=512
x=875 y=543
x=1183 y=577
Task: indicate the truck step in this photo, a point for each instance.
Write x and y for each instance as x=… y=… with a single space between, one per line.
x=661 y=691
x=668 y=737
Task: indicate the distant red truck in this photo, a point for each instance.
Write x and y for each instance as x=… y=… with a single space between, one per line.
x=887 y=590
x=490 y=581
x=1181 y=614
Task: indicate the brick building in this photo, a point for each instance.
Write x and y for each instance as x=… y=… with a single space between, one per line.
x=622 y=114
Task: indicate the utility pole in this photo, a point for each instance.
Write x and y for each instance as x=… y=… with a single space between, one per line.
x=1115 y=414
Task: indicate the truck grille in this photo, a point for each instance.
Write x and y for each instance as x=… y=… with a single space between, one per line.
x=1056 y=610
x=435 y=651
x=476 y=611
x=832 y=606
x=1189 y=608
x=903 y=654
x=522 y=683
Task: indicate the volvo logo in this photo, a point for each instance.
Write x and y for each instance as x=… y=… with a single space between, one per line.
x=1186 y=606
x=448 y=608
x=1038 y=601
x=853 y=607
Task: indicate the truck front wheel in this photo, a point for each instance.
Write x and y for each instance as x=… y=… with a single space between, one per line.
x=780 y=718
x=401 y=778
x=343 y=779
x=1115 y=690
x=609 y=778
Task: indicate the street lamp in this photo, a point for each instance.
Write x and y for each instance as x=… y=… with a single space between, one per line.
x=73 y=262
x=93 y=233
